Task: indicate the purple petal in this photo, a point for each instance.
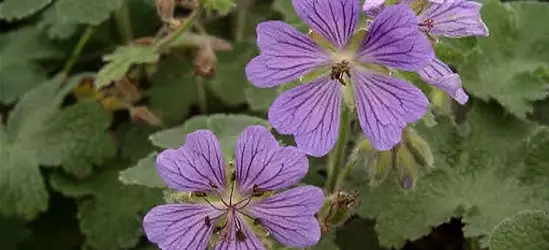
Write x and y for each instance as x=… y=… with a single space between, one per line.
x=286 y=54
x=372 y=8
x=197 y=166
x=250 y=242
x=289 y=216
x=437 y=1
x=311 y=113
x=334 y=19
x=457 y=18
x=441 y=76
x=385 y=105
x=180 y=226
x=262 y=164
x=394 y=40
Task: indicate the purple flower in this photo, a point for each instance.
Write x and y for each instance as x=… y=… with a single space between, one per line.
x=232 y=207
x=311 y=112
x=451 y=18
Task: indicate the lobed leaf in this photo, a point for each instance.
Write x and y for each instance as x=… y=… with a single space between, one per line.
x=120 y=61
x=525 y=230
x=92 y=12
x=110 y=217
x=18 y=9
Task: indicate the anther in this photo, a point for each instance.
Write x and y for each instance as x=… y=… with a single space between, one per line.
x=199 y=194
x=207 y=222
x=240 y=236
x=213 y=185
x=257 y=221
x=256 y=192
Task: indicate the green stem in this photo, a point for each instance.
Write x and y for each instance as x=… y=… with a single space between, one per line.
x=84 y=38
x=241 y=16
x=341 y=178
x=473 y=243
x=201 y=95
x=337 y=156
x=187 y=24
x=122 y=16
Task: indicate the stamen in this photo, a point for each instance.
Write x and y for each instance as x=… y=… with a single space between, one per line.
x=232 y=189
x=213 y=185
x=257 y=221
x=212 y=205
x=343 y=67
x=428 y=24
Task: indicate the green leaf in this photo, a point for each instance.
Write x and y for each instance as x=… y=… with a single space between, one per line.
x=227 y=128
x=476 y=177
x=502 y=66
x=526 y=230
x=143 y=173
x=260 y=99
x=22 y=190
x=133 y=140
x=286 y=9
x=222 y=6
x=75 y=138
x=110 y=213
x=20 y=50
x=173 y=91
x=38 y=132
x=92 y=12
x=230 y=80
x=17 y=9
x=55 y=26
x=120 y=61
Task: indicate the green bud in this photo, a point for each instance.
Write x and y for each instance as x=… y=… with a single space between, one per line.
x=441 y=102
x=418 y=148
x=406 y=168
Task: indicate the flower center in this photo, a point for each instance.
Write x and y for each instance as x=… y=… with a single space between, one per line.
x=427 y=25
x=231 y=209
x=340 y=68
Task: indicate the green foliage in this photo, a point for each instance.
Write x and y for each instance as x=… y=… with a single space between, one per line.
x=143 y=173
x=17 y=9
x=37 y=132
x=227 y=128
x=110 y=213
x=230 y=81
x=502 y=66
x=92 y=12
x=120 y=61
x=222 y=6
x=286 y=8
x=525 y=230
x=19 y=53
x=55 y=25
x=174 y=89
x=476 y=177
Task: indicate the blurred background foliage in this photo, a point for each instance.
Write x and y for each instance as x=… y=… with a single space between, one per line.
x=91 y=90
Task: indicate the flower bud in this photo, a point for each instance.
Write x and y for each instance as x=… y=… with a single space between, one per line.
x=337 y=209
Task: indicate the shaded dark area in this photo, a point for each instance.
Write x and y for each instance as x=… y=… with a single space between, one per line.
x=359 y=233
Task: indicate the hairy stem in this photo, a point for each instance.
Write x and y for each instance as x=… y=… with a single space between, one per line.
x=201 y=95
x=337 y=156
x=241 y=16
x=187 y=24
x=123 y=22
x=346 y=170
x=84 y=38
